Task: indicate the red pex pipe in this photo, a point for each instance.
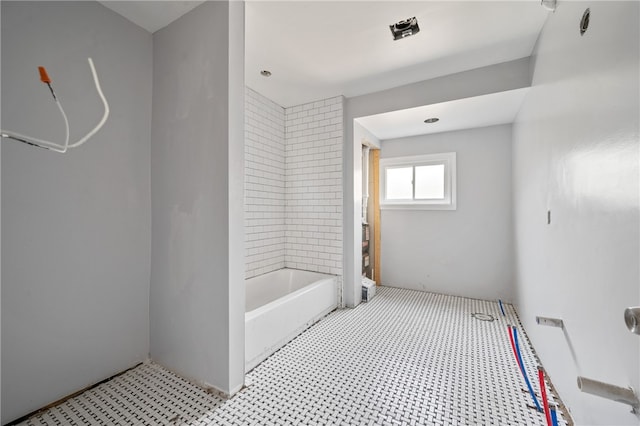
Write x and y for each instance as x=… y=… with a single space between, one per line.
x=513 y=347
x=513 y=334
x=543 y=393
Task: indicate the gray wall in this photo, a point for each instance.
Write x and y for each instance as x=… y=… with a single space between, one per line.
x=576 y=153
x=467 y=251
x=491 y=79
x=0 y=243
x=76 y=227
x=197 y=174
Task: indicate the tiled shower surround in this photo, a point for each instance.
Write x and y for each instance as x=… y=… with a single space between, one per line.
x=293 y=193
x=264 y=194
x=314 y=186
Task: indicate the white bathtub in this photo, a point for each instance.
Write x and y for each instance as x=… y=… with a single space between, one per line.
x=282 y=304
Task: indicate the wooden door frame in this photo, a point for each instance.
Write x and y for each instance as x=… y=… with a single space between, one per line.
x=374 y=196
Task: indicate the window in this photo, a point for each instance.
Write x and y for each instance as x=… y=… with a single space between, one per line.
x=419 y=182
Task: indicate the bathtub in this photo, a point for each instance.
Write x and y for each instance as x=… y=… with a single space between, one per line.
x=282 y=304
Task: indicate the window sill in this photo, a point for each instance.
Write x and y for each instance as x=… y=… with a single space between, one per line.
x=417 y=206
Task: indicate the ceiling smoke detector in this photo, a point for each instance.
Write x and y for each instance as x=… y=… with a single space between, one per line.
x=405 y=28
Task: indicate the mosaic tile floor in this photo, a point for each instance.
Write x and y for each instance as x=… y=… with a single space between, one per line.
x=405 y=358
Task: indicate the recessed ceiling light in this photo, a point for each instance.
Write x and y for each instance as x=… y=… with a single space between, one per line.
x=431 y=120
x=265 y=73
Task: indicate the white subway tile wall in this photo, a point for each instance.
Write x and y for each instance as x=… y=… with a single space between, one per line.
x=264 y=205
x=293 y=185
x=313 y=135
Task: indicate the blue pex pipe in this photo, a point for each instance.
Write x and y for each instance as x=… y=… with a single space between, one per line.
x=524 y=371
x=501 y=308
x=554 y=417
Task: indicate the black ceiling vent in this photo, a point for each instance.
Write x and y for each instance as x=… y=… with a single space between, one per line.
x=405 y=28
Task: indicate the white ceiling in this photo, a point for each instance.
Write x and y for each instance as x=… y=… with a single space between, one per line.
x=468 y=113
x=320 y=49
x=151 y=15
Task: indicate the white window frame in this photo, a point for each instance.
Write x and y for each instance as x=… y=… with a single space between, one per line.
x=448 y=159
